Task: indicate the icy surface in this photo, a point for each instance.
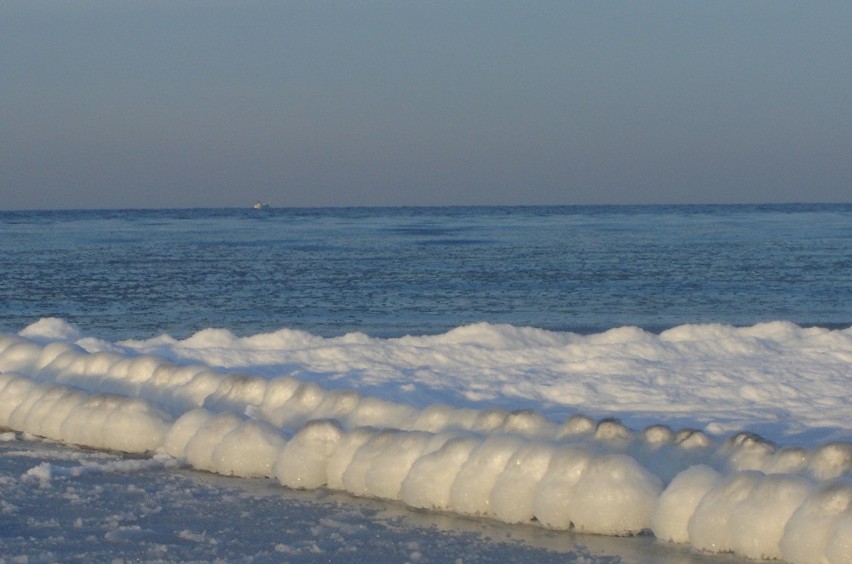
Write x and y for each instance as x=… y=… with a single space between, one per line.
x=618 y=433
x=88 y=506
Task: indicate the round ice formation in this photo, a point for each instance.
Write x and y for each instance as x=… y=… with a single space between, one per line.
x=343 y=453
x=815 y=530
x=471 y=489
x=831 y=461
x=235 y=392
x=431 y=477
x=614 y=496
x=576 y=425
x=203 y=442
x=513 y=494
x=677 y=503
x=61 y=413
x=278 y=393
x=183 y=430
x=743 y=494
x=440 y=417
x=611 y=430
x=551 y=504
x=250 y=450
x=392 y=463
x=303 y=461
x=747 y=513
x=748 y=451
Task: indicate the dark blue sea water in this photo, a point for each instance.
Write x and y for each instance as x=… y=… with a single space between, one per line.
x=395 y=271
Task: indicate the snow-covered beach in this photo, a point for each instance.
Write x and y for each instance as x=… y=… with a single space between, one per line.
x=425 y=282
x=723 y=439
x=84 y=505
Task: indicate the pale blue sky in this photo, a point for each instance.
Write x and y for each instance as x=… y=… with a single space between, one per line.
x=218 y=103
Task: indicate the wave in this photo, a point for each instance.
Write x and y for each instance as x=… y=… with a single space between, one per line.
x=467 y=421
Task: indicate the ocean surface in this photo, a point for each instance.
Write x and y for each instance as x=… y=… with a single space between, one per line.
x=523 y=376
x=389 y=272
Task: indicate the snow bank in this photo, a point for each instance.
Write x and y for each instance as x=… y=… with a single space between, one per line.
x=248 y=407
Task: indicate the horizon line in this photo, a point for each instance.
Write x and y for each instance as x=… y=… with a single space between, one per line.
x=427 y=206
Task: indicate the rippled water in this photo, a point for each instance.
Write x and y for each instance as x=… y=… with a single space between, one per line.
x=395 y=271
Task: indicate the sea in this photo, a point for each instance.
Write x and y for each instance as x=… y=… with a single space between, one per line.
x=485 y=384
x=388 y=272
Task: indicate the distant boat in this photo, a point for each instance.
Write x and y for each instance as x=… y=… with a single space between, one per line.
x=258 y=205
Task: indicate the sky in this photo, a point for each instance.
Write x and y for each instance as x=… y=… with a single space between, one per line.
x=164 y=104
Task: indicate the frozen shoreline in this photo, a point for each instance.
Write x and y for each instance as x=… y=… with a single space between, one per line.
x=100 y=506
x=253 y=407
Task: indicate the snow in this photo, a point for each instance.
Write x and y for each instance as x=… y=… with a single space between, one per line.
x=619 y=433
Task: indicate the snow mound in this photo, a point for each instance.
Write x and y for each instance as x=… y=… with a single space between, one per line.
x=739 y=493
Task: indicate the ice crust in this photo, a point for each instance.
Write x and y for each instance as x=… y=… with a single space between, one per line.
x=736 y=493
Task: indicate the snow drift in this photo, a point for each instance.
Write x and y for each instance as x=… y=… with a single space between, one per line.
x=254 y=407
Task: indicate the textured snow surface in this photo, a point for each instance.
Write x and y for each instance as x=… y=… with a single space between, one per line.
x=618 y=433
